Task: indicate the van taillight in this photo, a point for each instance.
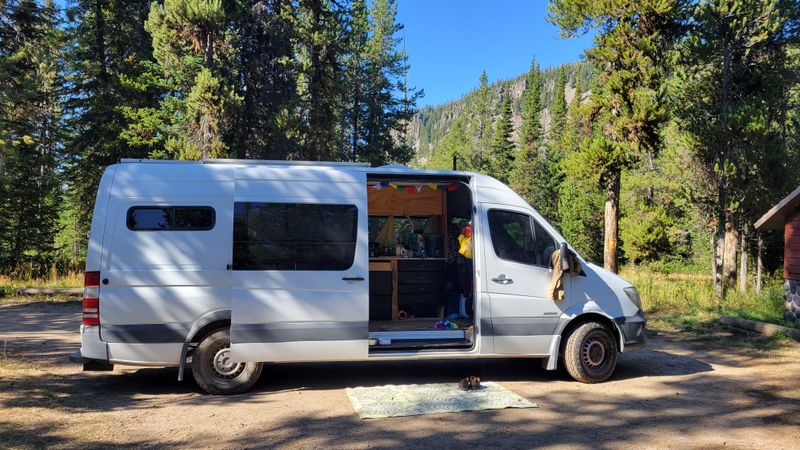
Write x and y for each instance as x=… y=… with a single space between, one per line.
x=91 y=298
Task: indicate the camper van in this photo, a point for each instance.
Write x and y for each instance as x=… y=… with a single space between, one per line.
x=222 y=265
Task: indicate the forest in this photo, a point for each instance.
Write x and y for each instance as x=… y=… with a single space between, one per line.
x=660 y=149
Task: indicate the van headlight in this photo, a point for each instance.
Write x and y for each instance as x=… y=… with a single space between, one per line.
x=633 y=295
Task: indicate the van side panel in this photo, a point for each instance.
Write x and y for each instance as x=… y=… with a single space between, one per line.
x=161 y=281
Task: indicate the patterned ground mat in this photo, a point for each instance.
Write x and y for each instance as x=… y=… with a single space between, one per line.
x=415 y=399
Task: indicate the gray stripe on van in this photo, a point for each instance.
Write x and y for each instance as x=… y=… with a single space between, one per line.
x=155 y=333
x=298 y=331
x=525 y=326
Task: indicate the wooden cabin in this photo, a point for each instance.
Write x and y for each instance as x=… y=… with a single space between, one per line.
x=786 y=215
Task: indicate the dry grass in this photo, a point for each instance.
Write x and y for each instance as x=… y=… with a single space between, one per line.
x=68 y=280
x=686 y=301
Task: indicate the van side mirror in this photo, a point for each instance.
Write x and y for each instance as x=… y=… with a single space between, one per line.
x=564 y=257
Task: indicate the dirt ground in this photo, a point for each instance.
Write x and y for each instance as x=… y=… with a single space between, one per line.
x=720 y=390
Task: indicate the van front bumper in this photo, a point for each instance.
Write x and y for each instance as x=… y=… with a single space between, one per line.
x=632 y=329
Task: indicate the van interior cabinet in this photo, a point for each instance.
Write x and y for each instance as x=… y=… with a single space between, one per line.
x=420 y=287
x=380 y=290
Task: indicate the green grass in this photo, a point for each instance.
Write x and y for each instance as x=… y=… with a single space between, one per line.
x=685 y=301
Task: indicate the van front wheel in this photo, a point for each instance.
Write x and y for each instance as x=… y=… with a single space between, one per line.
x=214 y=371
x=590 y=355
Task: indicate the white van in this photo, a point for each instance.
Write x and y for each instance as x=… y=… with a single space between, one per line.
x=227 y=264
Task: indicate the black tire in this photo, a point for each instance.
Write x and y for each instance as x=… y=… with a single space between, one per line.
x=590 y=354
x=214 y=373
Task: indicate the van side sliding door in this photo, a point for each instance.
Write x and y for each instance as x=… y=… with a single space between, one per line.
x=300 y=265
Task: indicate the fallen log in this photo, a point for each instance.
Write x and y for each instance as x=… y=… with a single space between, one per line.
x=767 y=329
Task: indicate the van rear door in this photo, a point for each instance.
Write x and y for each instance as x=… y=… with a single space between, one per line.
x=300 y=264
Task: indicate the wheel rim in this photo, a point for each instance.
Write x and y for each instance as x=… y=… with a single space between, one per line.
x=594 y=352
x=224 y=366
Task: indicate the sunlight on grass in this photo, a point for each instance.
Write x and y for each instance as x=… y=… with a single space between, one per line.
x=69 y=280
x=679 y=301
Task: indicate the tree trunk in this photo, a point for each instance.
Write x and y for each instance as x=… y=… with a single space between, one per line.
x=721 y=159
x=743 y=259
x=730 y=252
x=718 y=250
x=610 y=235
x=759 y=264
x=712 y=251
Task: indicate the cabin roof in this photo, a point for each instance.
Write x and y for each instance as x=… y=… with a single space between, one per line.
x=776 y=216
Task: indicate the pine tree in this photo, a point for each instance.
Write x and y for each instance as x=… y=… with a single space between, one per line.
x=30 y=120
x=321 y=40
x=356 y=71
x=558 y=110
x=630 y=56
x=386 y=111
x=530 y=132
x=192 y=44
x=528 y=162
x=502 y=145
x=109 y=50
x=266 y=129
x=481 y=117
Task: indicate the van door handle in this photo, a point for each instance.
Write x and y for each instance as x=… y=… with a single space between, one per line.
x=353 y=278
x=501 y=279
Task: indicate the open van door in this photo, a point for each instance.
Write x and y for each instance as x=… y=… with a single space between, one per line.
x=300 y=264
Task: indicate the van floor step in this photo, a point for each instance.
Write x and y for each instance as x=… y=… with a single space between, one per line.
x=421 y=345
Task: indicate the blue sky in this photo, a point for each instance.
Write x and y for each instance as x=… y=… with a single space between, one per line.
x=450 y=42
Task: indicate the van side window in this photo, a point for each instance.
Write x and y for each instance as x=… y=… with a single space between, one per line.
x=294 y=236
x=545 y=245
x=517 y=237
x=170 y=218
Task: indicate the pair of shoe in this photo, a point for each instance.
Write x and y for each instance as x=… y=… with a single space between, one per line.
x=469 y=383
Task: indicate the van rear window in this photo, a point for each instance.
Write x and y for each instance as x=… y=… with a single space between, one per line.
x=294 y=236
x=171 y=218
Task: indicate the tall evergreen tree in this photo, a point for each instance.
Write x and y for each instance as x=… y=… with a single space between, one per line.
x=193 y=45
x=630 y=55
x=356 y=72
x=481 y=127
x=389 y=102
x=558 y=110
x=321 y=40
x=30 y=120
x=502 y=145
x=266 y=129
x=109 y=50
x=528 y=162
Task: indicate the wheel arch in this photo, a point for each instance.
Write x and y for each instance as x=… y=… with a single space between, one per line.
x=581 y=319
x=207 y=323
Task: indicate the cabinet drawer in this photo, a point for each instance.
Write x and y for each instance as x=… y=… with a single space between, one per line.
x=418 y=299
x=420 y=277
x=420 y=288
x=419 y=265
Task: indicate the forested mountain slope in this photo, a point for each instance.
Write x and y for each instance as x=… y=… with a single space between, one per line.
x=431 y=123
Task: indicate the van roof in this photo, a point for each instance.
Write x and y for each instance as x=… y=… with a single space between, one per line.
x=360 y=166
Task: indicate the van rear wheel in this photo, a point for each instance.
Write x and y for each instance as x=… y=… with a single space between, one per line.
x=590 y=355
x=214 y=371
